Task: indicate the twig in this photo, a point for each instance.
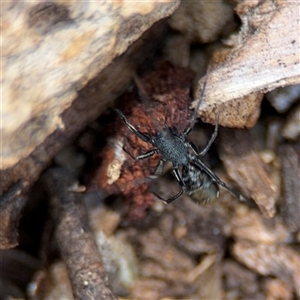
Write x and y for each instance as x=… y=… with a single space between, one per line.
x=75 y=239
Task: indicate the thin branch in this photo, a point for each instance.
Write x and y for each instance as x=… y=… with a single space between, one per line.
x=75 y=238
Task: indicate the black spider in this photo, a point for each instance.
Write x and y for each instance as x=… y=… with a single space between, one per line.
x=173 y=147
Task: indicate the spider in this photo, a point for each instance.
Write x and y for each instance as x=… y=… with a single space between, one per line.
x=172 y=146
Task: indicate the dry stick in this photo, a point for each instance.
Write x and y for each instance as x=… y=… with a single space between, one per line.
x=75 y=239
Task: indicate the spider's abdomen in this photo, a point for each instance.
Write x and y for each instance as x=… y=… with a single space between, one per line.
x=172 y=147
x=200 y=186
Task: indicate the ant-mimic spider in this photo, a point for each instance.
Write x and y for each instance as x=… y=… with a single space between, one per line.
x=172 y=145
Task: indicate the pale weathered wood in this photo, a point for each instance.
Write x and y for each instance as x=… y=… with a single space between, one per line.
x=265 y=56
x=50 y=50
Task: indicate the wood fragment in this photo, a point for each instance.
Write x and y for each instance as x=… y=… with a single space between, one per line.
x=50 y=51
x=277 y=289
x=249 y=224
x=276 y=260
x=247 y=169
x=266 y=56
x=89 y=103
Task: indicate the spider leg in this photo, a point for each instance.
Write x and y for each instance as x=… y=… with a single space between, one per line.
x=192 y=147
x=187 y=131
x=142 y=156
x=175 y=172
x=167 y=201
x=142 y=136
x=212 y=139
x=182 y=187
x=217 y=180
x=158 y=170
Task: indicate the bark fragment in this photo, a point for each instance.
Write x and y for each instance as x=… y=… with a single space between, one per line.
x=264 y=57
x=277 y=260
x=250 y=224
x=248 y=170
